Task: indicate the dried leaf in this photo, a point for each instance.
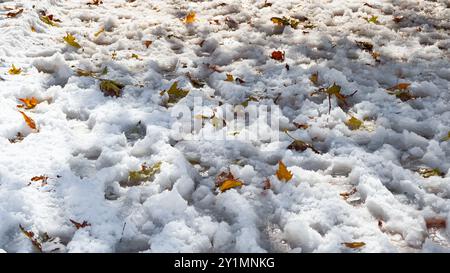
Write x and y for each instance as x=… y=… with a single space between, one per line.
x=400 y=86
x=266 y=184
x=95 y=2
x=12 y=14
x=436 y=222
x=301 y=146
x=30 y=122
x=28 y=103
x=190 y=18
x=429 y=172
x=285 y=21
x=283 y=173
x=354 y=244
x=175 y=93
x=42 y=178
x=229 y=184
x=147 y=43
x=80 y=225
x=314 y=78
x=278 y=55
x=346 y=195
x=30 y=235
x=229 y=78
x=146 y=173
x=19 y=137
x=447 y=137
x=111 y=88
x=301 y=126
x=100 y=31
x=48 y=19
x=70 y=39
x=135 y=56
x=195 y=82
x=364 y=45
x=354 y=123
x=373 y=19
x=14 y=71
x=398 y=19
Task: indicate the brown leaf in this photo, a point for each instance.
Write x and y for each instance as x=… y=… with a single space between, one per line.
x=147 y=43
x=267 y=184
x=346 y=195
x=12 y=14
x=364 y=45
x=283 y=173
x=278 y=55
x=436 y=222
x=30 y=235
x=354 y=244
x=80 y=225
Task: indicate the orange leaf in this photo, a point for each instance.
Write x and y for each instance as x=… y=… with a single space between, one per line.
x=436 y=222
x=14 y=70
x=228 y=184
x=283 y=173
x=278 y=55
x=39 y=178
x=354 y=244
x=30 y=122
x=190 y=18
x=29 y=103
x=400 y=86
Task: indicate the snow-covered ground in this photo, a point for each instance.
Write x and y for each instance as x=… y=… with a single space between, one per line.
x=362 y=186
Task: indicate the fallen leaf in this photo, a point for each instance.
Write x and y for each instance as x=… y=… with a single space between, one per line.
x=399 y=86
x=229 y=78
x=436 y=222
x=190 y=18
x=285 y=21
x=429 y=172
x=283 y=173
x=70 y=39
x=80 y=225
x=48 y=19
x=14 y=71
x=100 y=31
x=195 y=82
x=135 y=56
x=266 y=184
x=146 y=173
x=314 y=78
x=354 y=123
x=364 y=45
x=19 y=137
x=111 y=88
x=334 y=90
x=30 y=122
x=373 y=19
x=300 y=125
x=229 y=184
x=301 y=146
x=175 y=93
x=346 y=195
x=147 y=43
x=278 y=55
x=14 y=14
x=42 y=178
x=95 y=2
x=398 y=19
x=28 y=103
x=447 y=137
x=30 y=235
x=354 y=244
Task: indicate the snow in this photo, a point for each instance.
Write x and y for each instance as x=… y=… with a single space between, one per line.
x=87 y=143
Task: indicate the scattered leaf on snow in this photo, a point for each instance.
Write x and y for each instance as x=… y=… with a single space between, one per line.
x=346 y=195
x=299 y=145
x=146 y=173
x=48 y=19
x=30 y=122
x=229 y=184
x=80 y=225
x=249 y=99
x=364 y=45
x=42 y=178
x=95 y=3
x=400 y=86
x=373 y=19
x=14 y=71
x=314 y=78
x=277 y=55
x=266 y=184
x=334 y=90
x=175 y=93
x=70 y=40
x=229 y=78
x=147 y=43
x=354 y=244
x=398 y=19
x=436 y=222
x=283 y=173
x=401 y=91
x=111 y=88
x=13 y=14
x=447 y=137
x=135 y=56
x=190 y=18
x=300 y=125
x=197 y=83
x=33 y=239
x=354 y=123
x=285 y=21
x=428 y=172
x=100 y=31
x=19 y=137
x=28 y=103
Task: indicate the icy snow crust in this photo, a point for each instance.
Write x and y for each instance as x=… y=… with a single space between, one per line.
x=83 y=145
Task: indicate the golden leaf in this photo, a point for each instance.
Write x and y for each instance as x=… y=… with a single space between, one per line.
x=14 y=71
x=30 y=122
x=70 y=39
x=28 y=103
x=283 y=173
x=175 y=93
x=229 y=78
x=100 y=31
x=354 y=244
x=190 y=18
x=111 y=88
x=228 y=184
x=354 y=123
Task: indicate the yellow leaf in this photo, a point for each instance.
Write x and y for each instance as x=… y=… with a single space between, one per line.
x=354 y=244
x=30 y=122
x=190 y=18
x=446 y=138
x=145 y=174
x=373 y=20
x=70 y=39
x=48 y=20
x=314 y=78
x=135 y=56
x=14 y=71
x=283 y=173
x=354 y=123
x=175 y=93
x=228 y=184
x=230 y=78
x=28 y=103
x=111 y=88
x=100 y=31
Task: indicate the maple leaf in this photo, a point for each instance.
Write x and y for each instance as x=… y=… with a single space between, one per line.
x=354 y=244
x=28 y=103
x=373 y=19
x=283 y=173
x=175 y=93
x=190 y=18
x=19 y=137
x=401 y=91
x=400 y=86
x=277 y=55
x=80 y=225
x=30 y=122
x=12 y=14
x=354 y=123
x=70 y=39
x=111 y=88
x=14 y=71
